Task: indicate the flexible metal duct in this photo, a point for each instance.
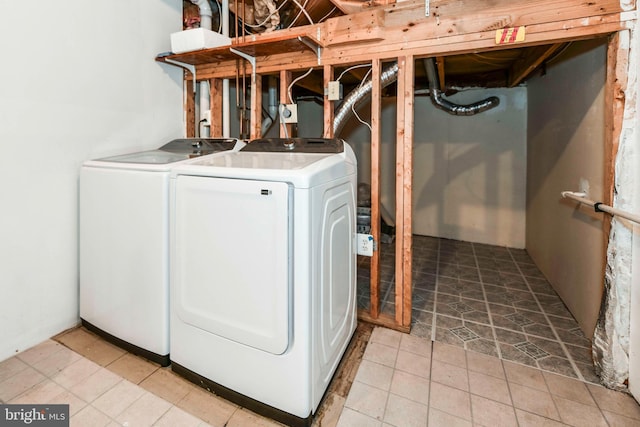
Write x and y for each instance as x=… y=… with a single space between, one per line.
x=448 y=106
x=358 y=96
x=390 y=75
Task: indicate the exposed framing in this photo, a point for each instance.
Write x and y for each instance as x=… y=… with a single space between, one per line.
x=401 y=32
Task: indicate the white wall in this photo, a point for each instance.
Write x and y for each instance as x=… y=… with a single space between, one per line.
x=78 y=80
x=469 y=172
x=566 y=149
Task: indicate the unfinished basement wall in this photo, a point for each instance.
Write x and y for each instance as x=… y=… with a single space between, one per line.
x=565 y=141
x=469 y=172
x=81 y=83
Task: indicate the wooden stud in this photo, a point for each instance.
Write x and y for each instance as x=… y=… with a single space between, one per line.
x=255 y=130
x=328 y=106
x=376 y=137
x=216 y=107
x=441 y=76
x=190 y=109
x=405 y=139
x=285 y=81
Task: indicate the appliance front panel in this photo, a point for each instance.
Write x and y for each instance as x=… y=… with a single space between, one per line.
x=232 y=274
x=124 y=263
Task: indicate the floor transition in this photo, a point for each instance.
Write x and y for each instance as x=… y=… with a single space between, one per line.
x=491 y=345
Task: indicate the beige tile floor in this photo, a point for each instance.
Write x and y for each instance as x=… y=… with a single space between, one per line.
x=106 y=386
x=402 y=380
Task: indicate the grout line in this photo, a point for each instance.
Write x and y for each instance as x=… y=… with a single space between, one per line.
x=555 y=404
x=506 y=378
x=598 y=405
x=466 y=357
x=430 y=373
x=395 y=361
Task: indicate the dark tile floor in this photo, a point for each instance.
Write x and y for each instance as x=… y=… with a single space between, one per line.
x=487 y=299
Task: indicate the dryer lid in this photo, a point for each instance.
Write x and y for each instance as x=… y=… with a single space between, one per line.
x=295 y=145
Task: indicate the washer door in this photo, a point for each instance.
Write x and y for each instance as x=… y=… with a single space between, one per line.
x=231 y=260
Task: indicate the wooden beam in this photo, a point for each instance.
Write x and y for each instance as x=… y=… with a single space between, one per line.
x=441 y=76
x=328 y=106
x=376 y=139
x=285 y=81
x=404 y=177
x=255 y=129
x=355 y=28
x=382 y=320
x=216 y=107
x=399 y=211
x=523 y=67
x=190 y=109
x=453 y=45
x=407 y=188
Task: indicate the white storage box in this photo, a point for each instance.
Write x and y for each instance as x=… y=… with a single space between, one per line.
x=197 y=39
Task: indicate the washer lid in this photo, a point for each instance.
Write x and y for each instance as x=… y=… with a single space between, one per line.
x=152 y=157
x=175 y=151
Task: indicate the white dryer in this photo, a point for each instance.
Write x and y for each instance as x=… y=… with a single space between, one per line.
x=263 y=272
x=124 y=244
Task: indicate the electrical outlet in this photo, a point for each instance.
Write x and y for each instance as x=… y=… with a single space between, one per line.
x=289 y=113
x=334 y=91
x=365 y=244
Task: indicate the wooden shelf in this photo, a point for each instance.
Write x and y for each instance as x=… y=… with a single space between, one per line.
x=262 y=46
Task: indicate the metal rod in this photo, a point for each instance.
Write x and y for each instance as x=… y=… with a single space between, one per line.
x=600 y=207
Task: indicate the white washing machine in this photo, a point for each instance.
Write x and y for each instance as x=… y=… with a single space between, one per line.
x=124 y=244
x=263 y=272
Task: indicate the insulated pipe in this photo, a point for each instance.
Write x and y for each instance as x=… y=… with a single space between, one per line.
x=272 y=105
x=448 y=106
x=273 y=96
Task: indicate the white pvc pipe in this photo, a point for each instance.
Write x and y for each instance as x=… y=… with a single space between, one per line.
x=580 y=197
x=204 y=104
x=206 y=14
